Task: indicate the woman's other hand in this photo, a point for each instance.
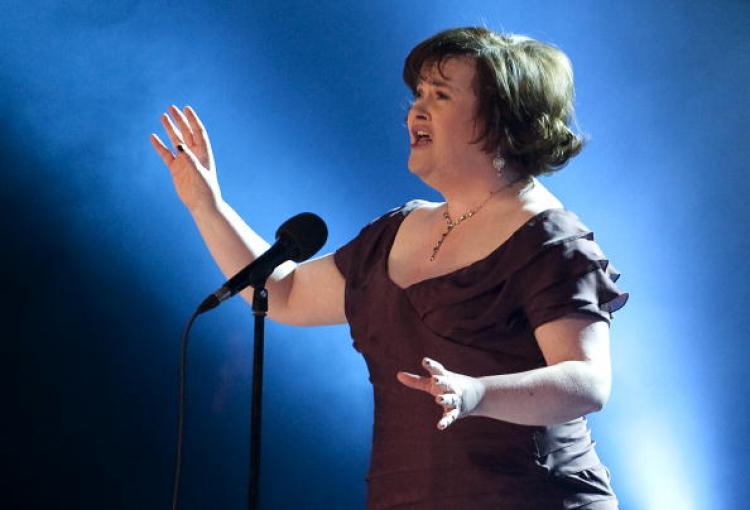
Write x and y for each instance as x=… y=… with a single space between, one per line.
x=191 y=161
x=458 y=394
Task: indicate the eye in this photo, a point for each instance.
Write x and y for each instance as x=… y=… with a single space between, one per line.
x=442 y=95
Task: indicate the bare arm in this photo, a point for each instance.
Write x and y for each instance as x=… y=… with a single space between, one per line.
x=305 y=294
x=576 y=382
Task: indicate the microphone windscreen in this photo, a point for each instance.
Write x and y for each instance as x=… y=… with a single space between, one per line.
x=307 y=232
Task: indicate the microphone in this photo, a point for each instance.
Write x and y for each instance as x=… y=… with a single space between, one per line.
x=297 y=239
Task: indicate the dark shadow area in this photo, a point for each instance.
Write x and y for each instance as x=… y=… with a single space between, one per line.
x=91 y=362
x=91 y=393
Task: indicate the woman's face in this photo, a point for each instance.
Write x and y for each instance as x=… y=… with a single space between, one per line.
x=442 y=121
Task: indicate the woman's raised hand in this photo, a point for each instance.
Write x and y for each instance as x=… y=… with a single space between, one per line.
x=190 y=161
x=458 y=394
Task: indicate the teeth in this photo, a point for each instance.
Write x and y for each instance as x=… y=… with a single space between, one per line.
x=421 y=134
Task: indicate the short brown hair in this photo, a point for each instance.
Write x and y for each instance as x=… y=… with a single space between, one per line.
x=524 y=89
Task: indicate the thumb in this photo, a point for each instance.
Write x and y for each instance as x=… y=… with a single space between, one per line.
x=413 y=381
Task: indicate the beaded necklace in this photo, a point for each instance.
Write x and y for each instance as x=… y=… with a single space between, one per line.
x=450 y=224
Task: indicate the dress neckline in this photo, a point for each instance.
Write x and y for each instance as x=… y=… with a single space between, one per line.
x=404 y=212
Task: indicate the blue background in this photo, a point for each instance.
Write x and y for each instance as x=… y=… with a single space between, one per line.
x=304 y=104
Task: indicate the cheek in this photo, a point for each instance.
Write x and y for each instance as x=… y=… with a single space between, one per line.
x=471 y=129
x=475 y=124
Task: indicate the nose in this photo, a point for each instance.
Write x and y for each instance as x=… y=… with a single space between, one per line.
x=418 y=111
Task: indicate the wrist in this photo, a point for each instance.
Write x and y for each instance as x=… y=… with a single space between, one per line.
x=206 y=208
x=479 y=395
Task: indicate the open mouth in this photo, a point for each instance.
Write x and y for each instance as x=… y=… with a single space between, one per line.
x=420 y=138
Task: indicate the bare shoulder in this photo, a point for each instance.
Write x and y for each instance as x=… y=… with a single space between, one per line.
x=421 y=209
x=537 y=198
x=420 y=213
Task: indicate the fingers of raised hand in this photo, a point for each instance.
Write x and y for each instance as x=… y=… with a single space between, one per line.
x=164 y=153
x=448 y=418
x=173 y=160
x=199 y=131
x=183 y=125
x=190 y=156
x=174 y=134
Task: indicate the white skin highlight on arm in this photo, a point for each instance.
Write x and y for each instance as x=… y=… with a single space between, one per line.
x=577 y=380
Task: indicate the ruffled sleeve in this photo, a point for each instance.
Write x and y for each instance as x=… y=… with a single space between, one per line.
x=570 y=275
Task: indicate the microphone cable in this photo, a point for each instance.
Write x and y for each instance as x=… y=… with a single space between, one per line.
x=297 y=239
x=181 y=408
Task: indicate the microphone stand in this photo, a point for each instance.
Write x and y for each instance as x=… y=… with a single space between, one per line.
x=260 y=308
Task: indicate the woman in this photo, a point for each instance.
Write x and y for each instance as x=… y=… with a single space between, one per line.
x=498 y=296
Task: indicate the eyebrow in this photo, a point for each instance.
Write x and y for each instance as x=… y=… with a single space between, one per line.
x=438 y=83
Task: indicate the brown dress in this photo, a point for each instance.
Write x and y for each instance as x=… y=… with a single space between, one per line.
x=478 y=320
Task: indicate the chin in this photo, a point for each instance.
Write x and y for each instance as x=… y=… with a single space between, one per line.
x=424 y=173
x=417 y=167
x=418 y=170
